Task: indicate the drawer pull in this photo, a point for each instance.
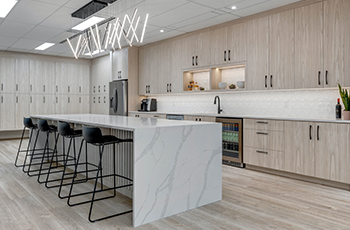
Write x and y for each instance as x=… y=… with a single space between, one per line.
x=262 y=122
x=258 y=151
x=261 y=133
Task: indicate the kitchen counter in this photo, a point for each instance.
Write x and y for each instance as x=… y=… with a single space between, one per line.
x=327 y=120
x=175 y=165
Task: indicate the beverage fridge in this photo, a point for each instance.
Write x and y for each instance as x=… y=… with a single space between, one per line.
x=232 y=141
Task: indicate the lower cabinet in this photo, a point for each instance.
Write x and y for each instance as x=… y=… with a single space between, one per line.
x=264 y=158
x=199 y=118
x=318 y=149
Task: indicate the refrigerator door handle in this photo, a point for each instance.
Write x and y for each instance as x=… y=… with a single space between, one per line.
x=115 y=104
x=111 y=102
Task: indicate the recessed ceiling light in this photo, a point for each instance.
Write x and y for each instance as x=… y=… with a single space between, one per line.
x=44 y=46
x=162 y=31
x=86 y=24
x=6 y=7
x=234 y=7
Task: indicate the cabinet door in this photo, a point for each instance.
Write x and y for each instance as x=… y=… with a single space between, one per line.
x=337 y=43
x=257 y=54
x=154 y=74
x=175 y=71
x=189 y=47
x=281 y=28
x=22 y=109
x=164 y=67
x=84 y=104
x=143 y=70
x=36 y=78
x=203 y=49
x=73 y=79
x=84 y=79
x=299 y=147
x=61 y=78
x=22 y=76
x=332 y=152
x=7 y=75
x=49 y=77
x=218 y=41
x=123 y=59
x=8 y=111
x=309 y=46
x=237 y=43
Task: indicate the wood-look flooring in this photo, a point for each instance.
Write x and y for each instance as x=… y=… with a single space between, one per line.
x=251 y=200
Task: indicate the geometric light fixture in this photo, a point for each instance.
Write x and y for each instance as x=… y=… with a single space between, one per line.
x=44 y=46
x=94 y=39
x=86 y=24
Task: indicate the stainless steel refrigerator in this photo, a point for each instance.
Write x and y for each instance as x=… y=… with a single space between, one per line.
x=118 y=98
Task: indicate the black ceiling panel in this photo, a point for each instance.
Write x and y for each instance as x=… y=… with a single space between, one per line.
x=89 y=9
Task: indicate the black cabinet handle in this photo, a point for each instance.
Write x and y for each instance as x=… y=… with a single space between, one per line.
x=196 y=119
x=79 y=99
x=94 y=100
x=16 y=99
x=31 y=88
x=56 y=88
x=56 y=100
x=99 y=100
x=262 y=133
x=192 y=60
x=310 y=130
x=68 y=99
x=319 y=77
x=265 y=81
x=225 y=55
x=167 y=88
x=258 y=151
x=99 y=88
x=16 y=87
x=68 y=89
x=30 y=99
x=271 y=81
x=262 y=122
x=229 y=55
x=44 y=88
x=43 y=99
x=104 y=88
x=94 y=89
x=79 y=89
x=170 y=87
x=318 y=132
x=200 y=119
x=196 y=60
x=326 y=77
x=2 y=99
x=2 y=86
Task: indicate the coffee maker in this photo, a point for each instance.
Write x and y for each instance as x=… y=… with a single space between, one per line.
x=148 y=105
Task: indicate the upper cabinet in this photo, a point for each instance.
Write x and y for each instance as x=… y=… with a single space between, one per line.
x=228 y=44
x=119 y=63
x=257 y=54
x=7 y=75
x=337 y=43
x=149 y=70
x=196 y=50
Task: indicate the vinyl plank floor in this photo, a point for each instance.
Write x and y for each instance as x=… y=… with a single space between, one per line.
x=251 y=200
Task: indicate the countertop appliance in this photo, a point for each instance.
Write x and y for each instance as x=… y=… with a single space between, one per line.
x=232 y=144
x=118 y=98
x=148 y=105
x=174 y=117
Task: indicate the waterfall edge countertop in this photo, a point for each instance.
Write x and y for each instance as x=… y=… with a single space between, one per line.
x=118 y=122
x=175 y=165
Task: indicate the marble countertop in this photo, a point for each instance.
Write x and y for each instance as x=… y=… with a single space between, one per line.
x=119 y=122
x=329 y=120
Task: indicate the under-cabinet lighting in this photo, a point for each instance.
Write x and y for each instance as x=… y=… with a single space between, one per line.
x=88 y=23
x=6 y=7
x=234 y=7
x=44 y=46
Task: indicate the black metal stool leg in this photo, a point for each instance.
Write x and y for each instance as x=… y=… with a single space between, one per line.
x=19 y=147
x=42 y=159
x=31 y=159
x=50 y=167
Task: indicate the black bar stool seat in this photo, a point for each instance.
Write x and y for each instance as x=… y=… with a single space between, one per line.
x=94 y=137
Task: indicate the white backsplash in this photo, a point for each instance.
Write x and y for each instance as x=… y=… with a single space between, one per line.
x=297 y=103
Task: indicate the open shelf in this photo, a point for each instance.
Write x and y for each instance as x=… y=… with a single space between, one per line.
x=228 y=74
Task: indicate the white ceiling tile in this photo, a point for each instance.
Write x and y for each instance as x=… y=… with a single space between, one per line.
x=157 y=7
x=54 y=2
x=18 y=49
x=61 y=37
x=217 y=4
x=31 y=12
x=41 y=33
x=210 y=22
x=14 y=29
x=48 y=52
x=194 y=20
x=3 y=47
x=77 y=4
x=60 y=48
x=7 y=41
x=179 y=14
x=61 y=19
x=26 y=44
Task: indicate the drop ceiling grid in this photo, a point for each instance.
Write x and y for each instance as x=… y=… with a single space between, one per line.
x=33 y=22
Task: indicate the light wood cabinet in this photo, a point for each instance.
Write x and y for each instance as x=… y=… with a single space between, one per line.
x=264 y=158
x=228 y=44
x=61 y=78
x=149 y=70
x=281 y=49
x=22 y=109
x=7 y=75
x=299 y=151
x=257 y=68
x=119 y=64
x=199 y=118
x=332 y=158
x=22 y=76
x=196 y=50
x=36 y=78
x=309 y=46
x=7 y=111
x=49 y=77
x=337 y=43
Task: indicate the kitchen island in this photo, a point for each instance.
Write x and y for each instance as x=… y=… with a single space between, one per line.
x=175 y=165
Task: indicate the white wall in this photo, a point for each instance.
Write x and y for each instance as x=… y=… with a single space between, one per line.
x=314 y=103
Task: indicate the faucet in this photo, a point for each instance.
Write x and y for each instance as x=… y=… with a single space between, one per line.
x=219 y=108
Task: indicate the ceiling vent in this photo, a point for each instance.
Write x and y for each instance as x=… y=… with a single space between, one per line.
x=91 y=8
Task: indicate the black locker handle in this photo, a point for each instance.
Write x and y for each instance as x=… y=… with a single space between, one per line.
x=229 y=55
x=192 y=60
x=310 y=131
x=225 y=55
x=319 y=77
x=326 y=77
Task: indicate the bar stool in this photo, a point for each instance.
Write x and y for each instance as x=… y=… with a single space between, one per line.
x=65 y=131
x=94 y=137
x=43 y=126
x=28 y=124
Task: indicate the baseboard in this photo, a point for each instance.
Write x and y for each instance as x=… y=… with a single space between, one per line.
x=300 y=177
x=13 y=134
